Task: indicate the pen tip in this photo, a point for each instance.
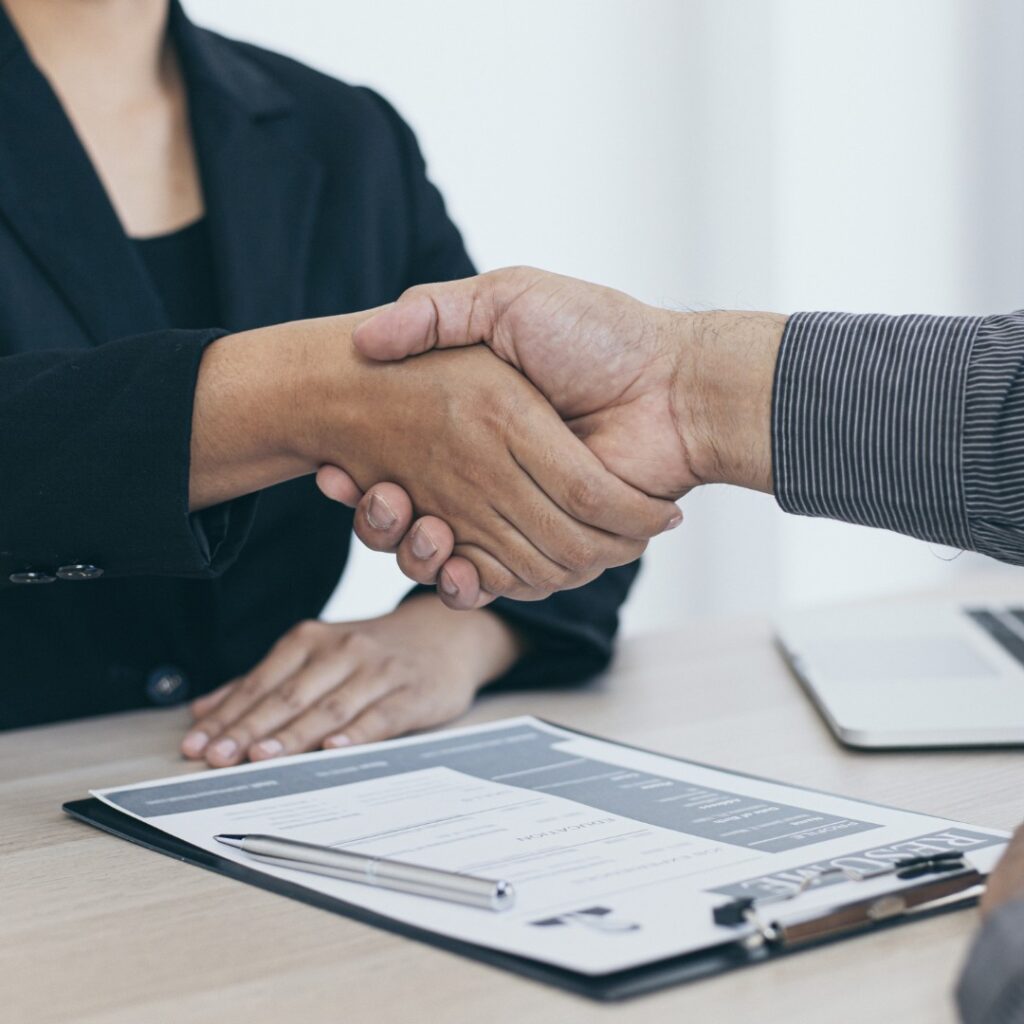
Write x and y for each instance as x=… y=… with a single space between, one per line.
x=230 y=840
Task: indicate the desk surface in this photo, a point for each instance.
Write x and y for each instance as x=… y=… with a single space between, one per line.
x=96 y=930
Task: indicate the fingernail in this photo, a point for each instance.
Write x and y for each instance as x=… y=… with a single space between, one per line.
x=674 y=521
x=341 y=740
x=448 y=585
x=379 y=514
x=194 y=743
x=268 y=748
x=422 y=546
x=224 y=749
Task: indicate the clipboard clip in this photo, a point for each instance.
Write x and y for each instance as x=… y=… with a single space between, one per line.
x=947 y=874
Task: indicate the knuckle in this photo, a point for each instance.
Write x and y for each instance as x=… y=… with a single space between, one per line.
x=391 y=665
x=360 y=644
x=381 y=722
x=308 y=629
x=412 y=292
x=289 y=697
x=579 y=557
x=406 y=673
x=560 y=579
x=584 y=497
x=544 y=575
x=337 y=707
x=516 y=590
x=513 y=273
x=251 y=687
x=497 y=580
x=285 y=641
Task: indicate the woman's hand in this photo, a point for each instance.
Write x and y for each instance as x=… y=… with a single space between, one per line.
x=334 y=684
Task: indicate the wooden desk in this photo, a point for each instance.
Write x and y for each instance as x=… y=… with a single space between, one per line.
x=96 y=930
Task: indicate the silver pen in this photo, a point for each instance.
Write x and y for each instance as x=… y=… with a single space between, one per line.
x=395 y=875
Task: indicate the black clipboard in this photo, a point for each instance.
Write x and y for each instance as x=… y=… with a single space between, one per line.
x=609 y=987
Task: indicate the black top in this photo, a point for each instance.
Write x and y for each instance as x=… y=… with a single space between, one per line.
x=181 y=268
x=317 y=203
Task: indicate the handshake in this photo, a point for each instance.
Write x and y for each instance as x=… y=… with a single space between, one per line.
x=536 y=430
x=509 y=435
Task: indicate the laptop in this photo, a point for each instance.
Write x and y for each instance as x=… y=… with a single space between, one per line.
x=913 y=674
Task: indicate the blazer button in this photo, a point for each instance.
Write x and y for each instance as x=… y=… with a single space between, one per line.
x=31 y=577
x=79 y=571
x=166 y=685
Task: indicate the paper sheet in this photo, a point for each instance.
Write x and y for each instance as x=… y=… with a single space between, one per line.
x=618 y=856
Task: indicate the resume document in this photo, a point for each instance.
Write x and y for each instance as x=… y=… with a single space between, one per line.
x=618 y=856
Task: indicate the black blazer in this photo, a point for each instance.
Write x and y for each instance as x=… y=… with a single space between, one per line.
x=318 y=203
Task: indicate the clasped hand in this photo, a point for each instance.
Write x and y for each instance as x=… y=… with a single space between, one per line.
x=474 y=443
x=607 y=366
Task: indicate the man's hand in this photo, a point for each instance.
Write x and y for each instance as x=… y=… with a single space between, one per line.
x=604 y=360
x=465 y=436
x=665 y=400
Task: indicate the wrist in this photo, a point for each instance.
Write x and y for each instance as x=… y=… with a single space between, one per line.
x=722 y=394
x=270 y=406
x=239 y=442
x=315 y=390
x=475 y=647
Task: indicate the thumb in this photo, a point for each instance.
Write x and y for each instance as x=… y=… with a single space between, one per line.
x=428 y=316
x=337 y=485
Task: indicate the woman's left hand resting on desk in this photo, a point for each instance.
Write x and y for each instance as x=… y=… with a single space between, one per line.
x=334 y=684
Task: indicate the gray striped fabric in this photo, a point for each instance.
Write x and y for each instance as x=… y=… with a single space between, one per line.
x=910 y=423
x=914 y=424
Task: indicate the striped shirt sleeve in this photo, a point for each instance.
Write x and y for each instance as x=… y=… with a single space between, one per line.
x=909 y=423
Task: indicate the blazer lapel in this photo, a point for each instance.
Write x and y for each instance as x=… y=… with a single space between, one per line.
x=261 y=189
x=261 y=185
x=54 y=202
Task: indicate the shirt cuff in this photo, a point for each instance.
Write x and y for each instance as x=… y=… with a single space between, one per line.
x=868 y=421
x=991 y=988
x=220 y=532
x=993 y=435
x=105 y=484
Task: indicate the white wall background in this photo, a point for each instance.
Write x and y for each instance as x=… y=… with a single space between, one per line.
x=774 y=154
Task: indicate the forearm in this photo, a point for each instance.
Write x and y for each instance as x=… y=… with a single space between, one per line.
x=908 y=423
x=721 y=393
x=258 y=402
